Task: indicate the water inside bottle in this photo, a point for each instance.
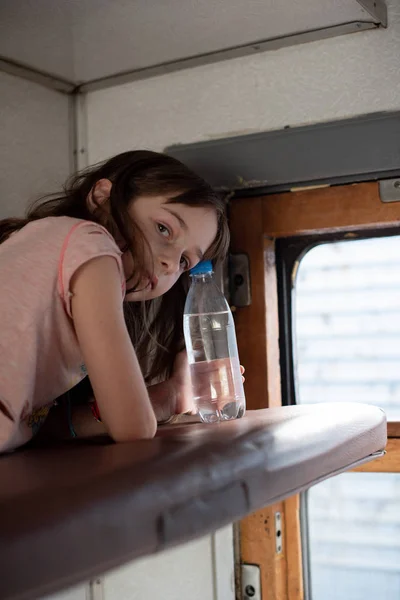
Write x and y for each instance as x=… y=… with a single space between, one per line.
x=216 y=380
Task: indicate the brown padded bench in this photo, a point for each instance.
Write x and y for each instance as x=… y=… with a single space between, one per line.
x=73 y=511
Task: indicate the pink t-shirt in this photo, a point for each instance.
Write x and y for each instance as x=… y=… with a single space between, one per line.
x=40 y=358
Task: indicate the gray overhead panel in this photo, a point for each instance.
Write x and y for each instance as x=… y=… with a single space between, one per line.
x=99 y=43
x=355 y=149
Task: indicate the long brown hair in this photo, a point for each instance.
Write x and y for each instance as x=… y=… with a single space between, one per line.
x=155 y=326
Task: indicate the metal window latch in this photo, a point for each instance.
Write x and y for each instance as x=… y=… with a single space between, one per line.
x=278 y=533
x=251 y=582
x=389 y=190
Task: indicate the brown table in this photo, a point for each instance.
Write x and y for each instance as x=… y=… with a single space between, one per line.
x=73 y=511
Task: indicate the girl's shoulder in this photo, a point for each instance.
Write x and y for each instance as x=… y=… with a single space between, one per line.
x=60 y=227
x=61 y=243
x=82 y=242
x=52 y=233
x=85 y=236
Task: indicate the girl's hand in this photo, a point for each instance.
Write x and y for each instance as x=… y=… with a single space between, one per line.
x=173 y=396
x=180 y=379
x=181 y=383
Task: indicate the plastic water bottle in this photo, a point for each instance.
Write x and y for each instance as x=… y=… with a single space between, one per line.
x=210 y=338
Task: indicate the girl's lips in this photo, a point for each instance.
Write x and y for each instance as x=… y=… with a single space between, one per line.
x=154 y=282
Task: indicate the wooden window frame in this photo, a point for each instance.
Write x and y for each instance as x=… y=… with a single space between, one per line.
x=256 y=224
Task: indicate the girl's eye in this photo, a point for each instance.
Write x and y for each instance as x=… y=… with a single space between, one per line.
x=184 y=263
x=163 y=230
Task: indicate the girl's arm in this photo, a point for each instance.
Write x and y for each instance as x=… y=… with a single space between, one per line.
x=168 y=398
x=56 y=426
x=110 y=359
x=173 y=396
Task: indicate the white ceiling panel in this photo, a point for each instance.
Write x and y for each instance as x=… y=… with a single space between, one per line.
x=125 y=35
x=86 y=40
x=38 y=33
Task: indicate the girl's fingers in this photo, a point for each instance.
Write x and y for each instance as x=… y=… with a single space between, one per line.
x=243 y=379
x=242 y=369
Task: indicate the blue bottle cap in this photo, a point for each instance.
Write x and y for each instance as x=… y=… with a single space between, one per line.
x=205 y=266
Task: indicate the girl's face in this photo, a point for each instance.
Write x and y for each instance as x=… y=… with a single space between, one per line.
x=178 y=236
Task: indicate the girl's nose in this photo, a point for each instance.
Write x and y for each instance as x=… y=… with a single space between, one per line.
x=170 y=265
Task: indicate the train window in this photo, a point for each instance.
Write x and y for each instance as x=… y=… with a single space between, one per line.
x=354 y=537
x=347 y=331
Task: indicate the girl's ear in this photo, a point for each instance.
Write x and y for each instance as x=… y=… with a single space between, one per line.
x=99 y=194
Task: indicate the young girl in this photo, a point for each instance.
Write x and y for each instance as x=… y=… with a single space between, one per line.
x=94 y=282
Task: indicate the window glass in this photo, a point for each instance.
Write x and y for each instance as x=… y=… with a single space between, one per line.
x=347 y=349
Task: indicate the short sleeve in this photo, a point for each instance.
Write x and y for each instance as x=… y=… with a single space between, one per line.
x=85 y=241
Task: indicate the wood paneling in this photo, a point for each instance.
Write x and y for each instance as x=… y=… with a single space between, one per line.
x=257 y=330
x=281 y=573
x=393 y=429
x=257 y=535
x=250 y=321
x=337 y=208
x=256 y=223
x=389 y=463
x=272 y=325
x=294 y=573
